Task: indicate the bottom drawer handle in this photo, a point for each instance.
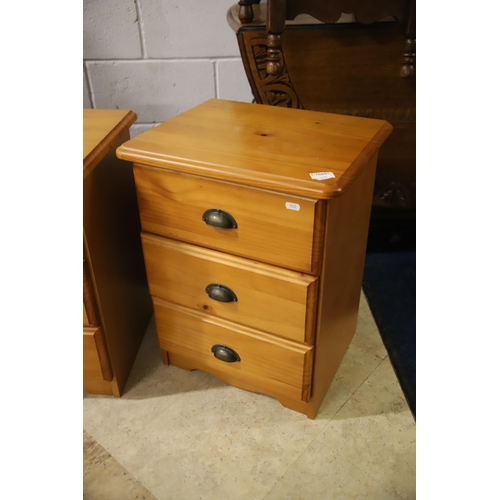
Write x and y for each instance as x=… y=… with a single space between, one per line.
x=225 y=353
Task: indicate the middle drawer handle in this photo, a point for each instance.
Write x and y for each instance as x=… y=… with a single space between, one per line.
x=218 y=218
x=220 y=293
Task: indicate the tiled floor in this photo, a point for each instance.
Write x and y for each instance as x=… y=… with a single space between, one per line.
x=185 y=435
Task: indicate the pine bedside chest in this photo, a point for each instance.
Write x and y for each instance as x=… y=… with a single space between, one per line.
x=116 y=302
x=254 y=228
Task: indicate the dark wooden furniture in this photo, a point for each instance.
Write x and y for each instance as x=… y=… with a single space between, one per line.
x=364 y=67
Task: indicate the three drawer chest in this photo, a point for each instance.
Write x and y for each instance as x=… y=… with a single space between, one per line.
x=254 y=228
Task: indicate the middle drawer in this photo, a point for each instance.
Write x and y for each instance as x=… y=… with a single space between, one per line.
x=268 y=298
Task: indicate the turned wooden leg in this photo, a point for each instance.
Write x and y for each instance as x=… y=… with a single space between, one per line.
x=245 y=13
x=273 y=54
x=409 y=56
x=275 y=25
x=408 y=67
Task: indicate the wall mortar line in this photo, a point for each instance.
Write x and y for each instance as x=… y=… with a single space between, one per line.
x=140 y=23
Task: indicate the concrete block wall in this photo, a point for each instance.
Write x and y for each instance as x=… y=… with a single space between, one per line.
x=159 y=57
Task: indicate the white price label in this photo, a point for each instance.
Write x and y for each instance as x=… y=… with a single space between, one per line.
x=320 y=176
x=292 y=206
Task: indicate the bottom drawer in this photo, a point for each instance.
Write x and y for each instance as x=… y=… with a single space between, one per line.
x=96 y=364
x=273 y=365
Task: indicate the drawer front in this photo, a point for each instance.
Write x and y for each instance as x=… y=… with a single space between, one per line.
x=275 y=365
x=96 y=364
x=271 y=227
x=258 y=295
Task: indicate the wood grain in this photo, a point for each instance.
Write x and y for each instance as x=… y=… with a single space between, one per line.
x=90 y=314
x=345 y=243
x=172 y=204
x=261 y=146
x=279 y=310
x=266 y=361
x=96 y=364
x=115 y=289
x=270 y=299
x=345 y=248
x=101 y=129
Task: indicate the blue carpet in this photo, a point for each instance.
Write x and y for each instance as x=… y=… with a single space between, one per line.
x=389 y=283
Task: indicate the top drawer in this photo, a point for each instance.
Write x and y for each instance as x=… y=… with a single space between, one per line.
x=271 y=227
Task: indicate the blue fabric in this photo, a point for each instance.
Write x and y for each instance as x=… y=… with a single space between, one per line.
x=389 y=283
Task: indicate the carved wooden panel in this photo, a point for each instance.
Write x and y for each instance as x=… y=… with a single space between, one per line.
x=275 y=90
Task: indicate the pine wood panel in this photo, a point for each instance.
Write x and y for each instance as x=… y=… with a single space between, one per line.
x=262 y=146
x=172 y=204
x=85 y=317
x=96 y=364
x=115 y=286
x=101 y=387
x=274 y=364
x=101 y=129
x=271 y=299
x=189 y=363
x=90 y=315
x=340 y=287
x=346 y=233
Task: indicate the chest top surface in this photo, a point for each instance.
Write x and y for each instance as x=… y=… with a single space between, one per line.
x=101 y=128
x=307 y=153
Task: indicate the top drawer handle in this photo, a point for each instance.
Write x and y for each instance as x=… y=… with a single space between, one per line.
x=216 y=217
x=220 y=293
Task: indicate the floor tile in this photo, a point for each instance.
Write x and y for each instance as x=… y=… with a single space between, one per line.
x=367 y=336
x=151 y=387
x=355 y=368
x=376 y=431
x=382 y=446
x=149 y=353
x=366 y=451
x=218 y=442
x=105 y=479
x=321 y=473
x=379 y=394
